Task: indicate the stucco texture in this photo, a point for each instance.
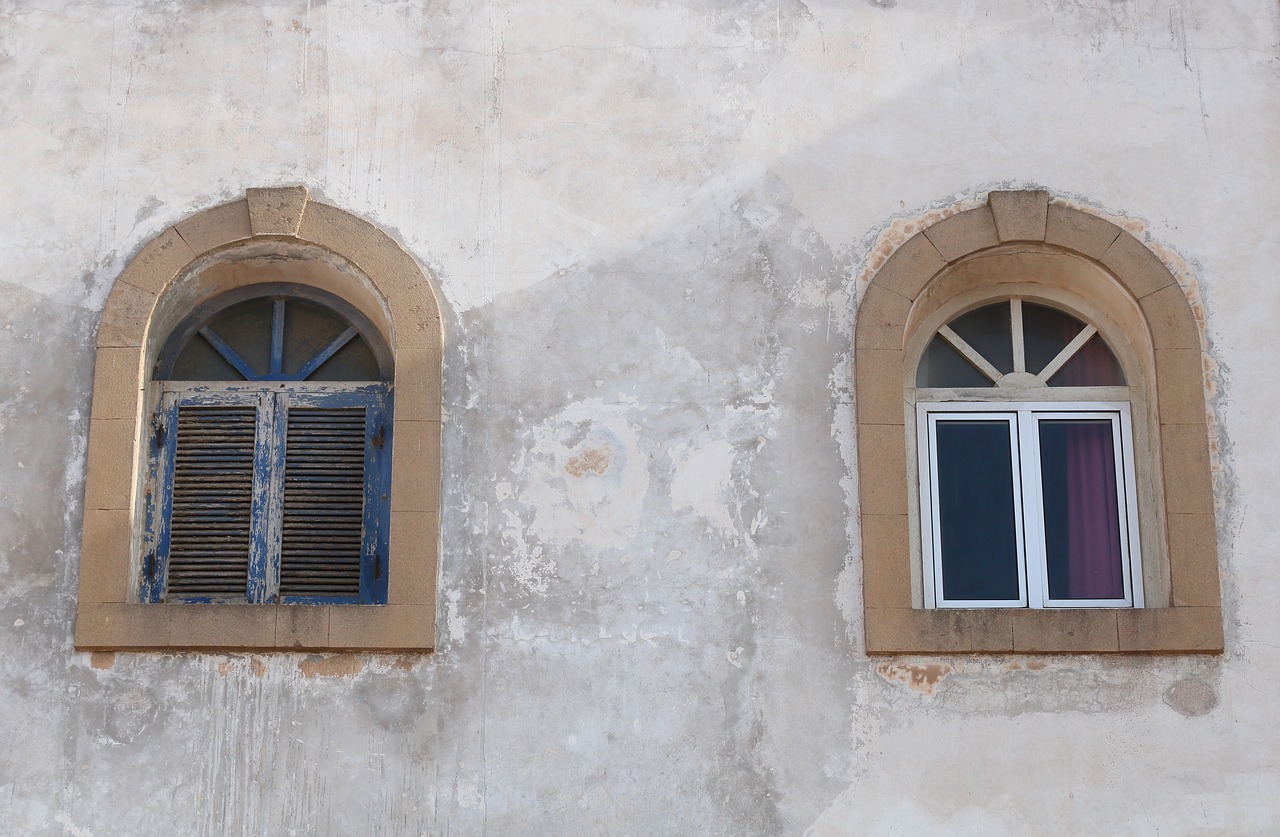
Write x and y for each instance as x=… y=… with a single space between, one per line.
x=648 y=225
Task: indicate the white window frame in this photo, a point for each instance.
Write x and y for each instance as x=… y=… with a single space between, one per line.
x=1024 y=418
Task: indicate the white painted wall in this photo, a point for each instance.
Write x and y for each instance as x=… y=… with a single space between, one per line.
x=647 y=221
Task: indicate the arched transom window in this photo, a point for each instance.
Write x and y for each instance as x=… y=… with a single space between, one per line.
x=1026 y=456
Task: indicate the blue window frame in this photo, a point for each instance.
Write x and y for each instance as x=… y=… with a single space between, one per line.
x=273 y=488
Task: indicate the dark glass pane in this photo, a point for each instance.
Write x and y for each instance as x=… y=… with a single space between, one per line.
x=1081 y=509
x=246 y=328
x=1093 y=366
x=353 y=362
x=975 y=511
x=308 y=329
x=1046 y=332
x=943 y=366
x=987 y=330
x=199 y=361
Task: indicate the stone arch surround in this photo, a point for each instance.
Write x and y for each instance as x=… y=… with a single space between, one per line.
x=272 y=234
x=1123 y=277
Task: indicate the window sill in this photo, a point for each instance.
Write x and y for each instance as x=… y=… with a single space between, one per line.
x=1169 y=630
x=161 y=627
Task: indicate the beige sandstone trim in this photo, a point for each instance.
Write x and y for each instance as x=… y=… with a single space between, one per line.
x=928 y=271
x=149 y=290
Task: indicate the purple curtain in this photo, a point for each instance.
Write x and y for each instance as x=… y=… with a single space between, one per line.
x=1094 y=365
x=1094 y=568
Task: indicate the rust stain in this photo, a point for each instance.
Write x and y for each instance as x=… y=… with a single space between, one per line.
x=1036 y=665
x=590 y=461
x=259 y=668
x=340 y=665
x=405 y=663
x=102 y=660
x=923 y=679
x=226 y=667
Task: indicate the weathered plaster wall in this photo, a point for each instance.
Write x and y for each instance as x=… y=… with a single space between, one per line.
x=648 y=222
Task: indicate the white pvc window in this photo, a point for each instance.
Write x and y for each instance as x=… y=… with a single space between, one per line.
x=1028 y=504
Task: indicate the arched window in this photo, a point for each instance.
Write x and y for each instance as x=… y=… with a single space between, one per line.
x=1028 y=495
x=242 y=489
x=271 y=438
x=1033 y=459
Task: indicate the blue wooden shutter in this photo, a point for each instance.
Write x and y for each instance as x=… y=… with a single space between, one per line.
x=334 y=504
x=205 y=542
x=322 y=519
x=265 y=497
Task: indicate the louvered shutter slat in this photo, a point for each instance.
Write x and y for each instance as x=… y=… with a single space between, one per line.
x=322 y=525
x=212 y=497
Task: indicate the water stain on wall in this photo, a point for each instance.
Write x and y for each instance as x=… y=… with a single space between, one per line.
x=918 y=678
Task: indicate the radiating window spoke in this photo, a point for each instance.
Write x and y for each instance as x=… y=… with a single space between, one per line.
x=1017 y=344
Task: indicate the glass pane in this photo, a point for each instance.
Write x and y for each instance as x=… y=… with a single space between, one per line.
x=308 y=329
x=246 y=328
x=943 y=366
x=975 y=511
x=987 y=330
x=1081 y=509
x=1093 y=366
x=1046 y=332
x=353 y=362
x=199 y=361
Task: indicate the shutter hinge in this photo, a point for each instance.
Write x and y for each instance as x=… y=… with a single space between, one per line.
x=157 y=424
x=377 y=566
x=149 y=567
x=380 y=438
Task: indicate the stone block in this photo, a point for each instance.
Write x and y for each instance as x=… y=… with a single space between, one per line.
x=417 y=392
x=411 y=571
x=1185 y=455
x=881 y=320
x=221 y=626
x=886 y=568
x=1169 y=317
x=1021 y=215
x=963 y=233
x=157 y=263
x=882 y=468
x=109 y=475
x=388 y=265
x=1137 y=268
x=1193 y=560
x=1171 y=630
x=105 y=559
x=1075 y=230
x=302 y=627
x=114 y=626
x=910 y=267
x=125 y=317
x=216 y=227
x=1180 y=386
x=1064 y=631
x=879 y=395
x=915 y=631
x=276 y=211
x=117 y=382
x=415 y=466
x=382 y=628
